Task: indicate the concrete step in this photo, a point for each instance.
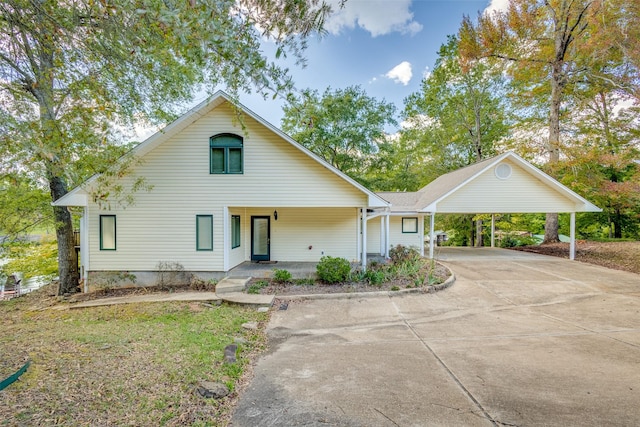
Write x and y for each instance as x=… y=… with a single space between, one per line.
x=232 y=284
x=248 y=299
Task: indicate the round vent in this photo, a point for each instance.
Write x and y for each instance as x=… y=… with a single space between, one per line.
x=503 y=171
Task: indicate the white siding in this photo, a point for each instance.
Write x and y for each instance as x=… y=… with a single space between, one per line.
x=397 y=237
x=374 y=234
x=328 y=231
x=237 y=255
x=160 y=226
x=521 y=192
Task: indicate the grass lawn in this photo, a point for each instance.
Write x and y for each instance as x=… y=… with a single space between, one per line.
x=133 y=364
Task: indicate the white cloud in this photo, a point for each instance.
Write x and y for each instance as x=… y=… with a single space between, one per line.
x=378 y=17
x=497 y=5
x=401 y=73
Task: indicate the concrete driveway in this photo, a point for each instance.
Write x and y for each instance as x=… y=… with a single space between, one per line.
x=519 y=339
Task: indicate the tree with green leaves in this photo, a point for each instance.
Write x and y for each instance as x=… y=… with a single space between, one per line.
x=545 y=43
x=72 y=73
x=460 y=112
x=343 y=126
x=601 y=158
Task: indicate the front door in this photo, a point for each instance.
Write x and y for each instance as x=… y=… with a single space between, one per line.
x=260 y=238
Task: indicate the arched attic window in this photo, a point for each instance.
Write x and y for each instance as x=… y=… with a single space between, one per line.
x=225 y=154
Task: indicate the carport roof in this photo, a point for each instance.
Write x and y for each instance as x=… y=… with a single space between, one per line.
x=446 y=186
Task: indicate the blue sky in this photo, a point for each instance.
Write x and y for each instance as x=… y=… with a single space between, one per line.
x=385 y=46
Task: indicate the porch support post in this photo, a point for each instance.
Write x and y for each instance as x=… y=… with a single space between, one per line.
x=358 y=235
x=382 y=236
x=225 y=238
x=387 y=242
x=432 y=221
x=421 y=233
x=364 y=239
x=572 y=244
x=493 y=230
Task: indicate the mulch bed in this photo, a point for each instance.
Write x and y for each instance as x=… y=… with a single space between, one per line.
x=617 y=255
x=441 y=273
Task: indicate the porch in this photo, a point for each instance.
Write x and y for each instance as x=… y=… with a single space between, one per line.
x=298 y=270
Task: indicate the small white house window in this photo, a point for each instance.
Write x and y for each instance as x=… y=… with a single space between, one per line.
x=409 y=225
x=503 y=171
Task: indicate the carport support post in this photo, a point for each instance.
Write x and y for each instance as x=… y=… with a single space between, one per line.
x=572 y=244
x=432 y=225
x=386 y=236
x=382 y=236
x=364 y=239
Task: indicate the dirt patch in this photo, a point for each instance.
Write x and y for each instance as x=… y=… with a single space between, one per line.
x=617 y=255
x=438 y=275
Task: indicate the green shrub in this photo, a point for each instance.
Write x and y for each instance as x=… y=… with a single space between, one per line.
x=395 y=288
x=375 y=277
x=401 y=254
x=309 y=281
x=514 y=240
x=333 y=269
x=281 y=276
x=255 y=287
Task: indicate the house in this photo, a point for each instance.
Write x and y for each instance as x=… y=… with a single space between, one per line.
x=223 y=193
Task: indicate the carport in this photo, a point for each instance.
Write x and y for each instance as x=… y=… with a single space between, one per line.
x=503 y=184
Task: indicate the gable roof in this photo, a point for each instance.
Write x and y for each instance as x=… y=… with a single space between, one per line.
x=427 y=198
x=77 y=196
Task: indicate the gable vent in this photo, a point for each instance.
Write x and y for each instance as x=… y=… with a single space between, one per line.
x=503 y=171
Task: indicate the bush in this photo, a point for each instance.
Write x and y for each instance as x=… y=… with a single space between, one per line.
x=375 y=277
x=513 y=240
x=333 y=270
x=281 y=276
x=198 y=284
x=402 y=254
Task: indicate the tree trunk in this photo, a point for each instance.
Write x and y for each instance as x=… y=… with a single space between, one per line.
x=553 y=145
x=472 y=233
x=67 y=256
x=51 y=138
x=479 y=234
x=617 y=224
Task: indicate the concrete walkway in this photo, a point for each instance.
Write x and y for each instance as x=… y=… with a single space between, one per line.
x=520 y=339
x=229 y=289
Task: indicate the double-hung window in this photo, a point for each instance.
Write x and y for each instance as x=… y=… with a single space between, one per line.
x=225 y=154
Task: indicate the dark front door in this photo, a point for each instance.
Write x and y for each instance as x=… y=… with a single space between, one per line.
x=260 y=238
